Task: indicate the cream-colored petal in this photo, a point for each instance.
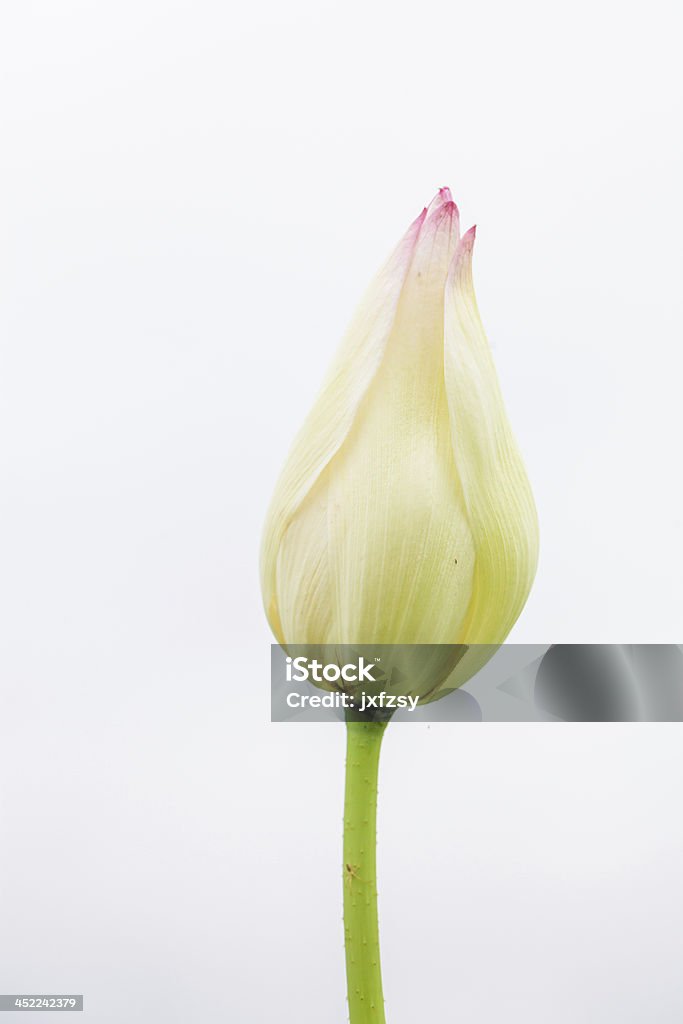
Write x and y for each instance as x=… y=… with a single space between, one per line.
x=397 y=556
x=500 y=507
x=332 y=416
x=400 y=547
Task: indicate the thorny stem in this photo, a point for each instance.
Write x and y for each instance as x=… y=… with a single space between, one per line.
x=361 y=931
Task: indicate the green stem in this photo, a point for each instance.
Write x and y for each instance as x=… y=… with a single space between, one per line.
x=361 y=931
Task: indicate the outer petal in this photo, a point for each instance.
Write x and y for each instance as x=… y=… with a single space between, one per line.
x=376 y=546
x=330 y=420
x=495 y=487
x=399 y=545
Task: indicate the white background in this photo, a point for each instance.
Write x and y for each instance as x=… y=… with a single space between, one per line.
x=194 y=196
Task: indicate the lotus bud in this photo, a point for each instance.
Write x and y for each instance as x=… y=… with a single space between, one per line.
x=403 y=517
x=403 y=514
